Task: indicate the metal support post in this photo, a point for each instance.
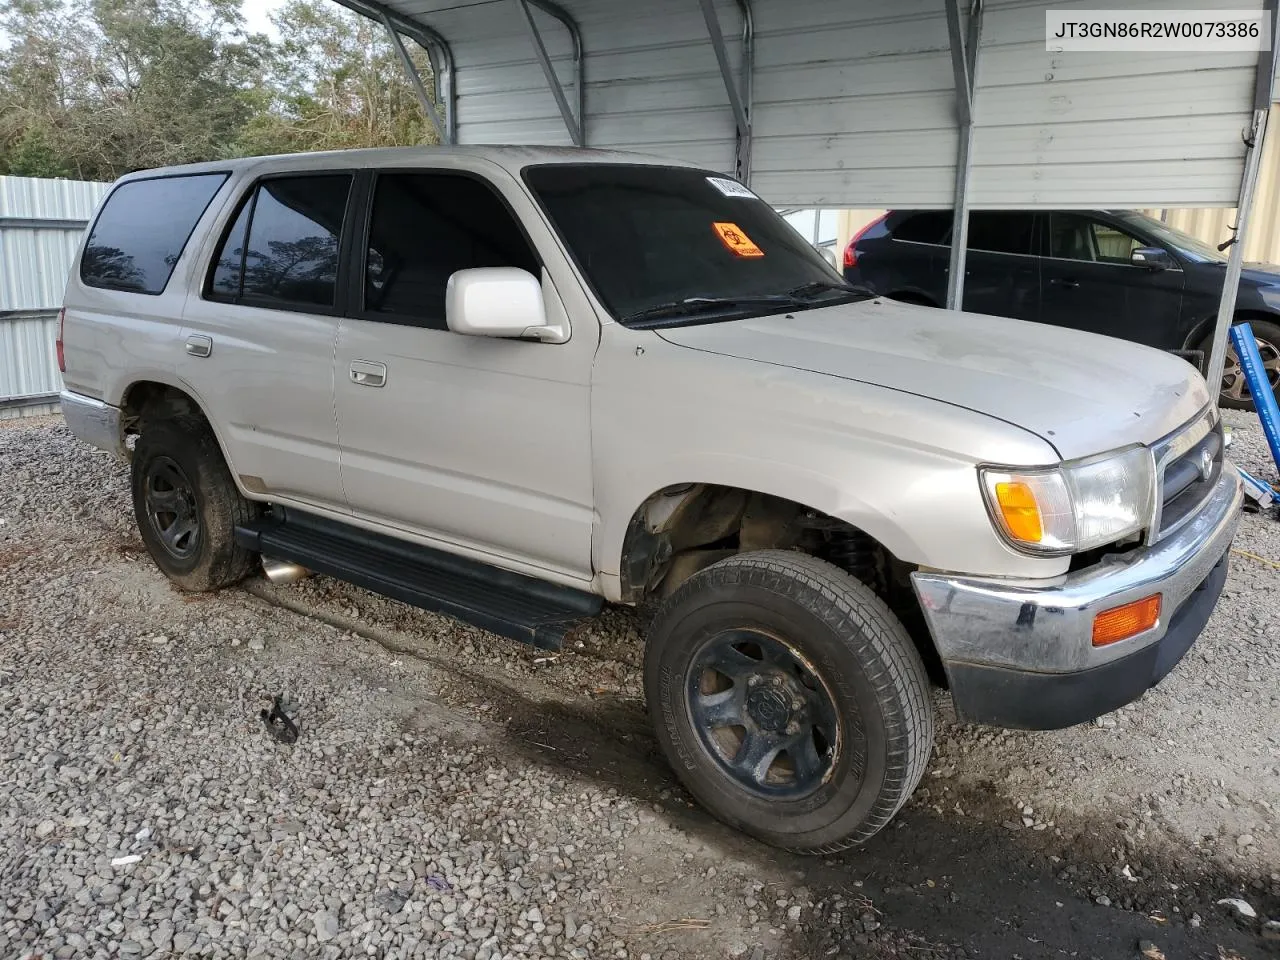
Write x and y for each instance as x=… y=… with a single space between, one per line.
x=739 y=100
x=1265 y=79
x=579 y=72
x=964 y=65
x=549 y=71
x=437 y=47
x=411 y=71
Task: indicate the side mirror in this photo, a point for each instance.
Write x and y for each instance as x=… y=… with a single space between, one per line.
x=499 y=302
x=829 y=255
x=1153 y=258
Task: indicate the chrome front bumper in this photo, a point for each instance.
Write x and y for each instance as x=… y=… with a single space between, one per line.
x=94 y=422
x=1006 y=640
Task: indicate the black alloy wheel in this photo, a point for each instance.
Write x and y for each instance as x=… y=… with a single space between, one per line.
x=764 y=712
x=170 y=508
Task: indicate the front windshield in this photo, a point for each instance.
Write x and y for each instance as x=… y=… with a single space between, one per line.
x=688 y=244
x=1172 y=237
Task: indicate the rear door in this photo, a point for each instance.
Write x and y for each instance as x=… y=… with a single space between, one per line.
x=260 y=336
x=1002 y=269
x=1089 y=283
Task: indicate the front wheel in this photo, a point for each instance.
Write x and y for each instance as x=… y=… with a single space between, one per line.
x=789 y=699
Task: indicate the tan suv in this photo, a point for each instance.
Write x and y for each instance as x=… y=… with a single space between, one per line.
x=510 y=384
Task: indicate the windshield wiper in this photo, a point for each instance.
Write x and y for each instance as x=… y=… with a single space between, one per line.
x=694 y=305
x=808 y=290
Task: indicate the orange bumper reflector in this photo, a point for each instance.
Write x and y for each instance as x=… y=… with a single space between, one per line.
x=1121 y=623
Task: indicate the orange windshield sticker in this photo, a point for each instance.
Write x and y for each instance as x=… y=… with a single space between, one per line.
x=739 y=243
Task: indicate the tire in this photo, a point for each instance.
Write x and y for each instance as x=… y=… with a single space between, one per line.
x=178 y=464
x=1235 y=393
x=797 y=613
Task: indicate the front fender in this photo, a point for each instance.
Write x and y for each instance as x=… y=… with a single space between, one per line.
x=899 y=467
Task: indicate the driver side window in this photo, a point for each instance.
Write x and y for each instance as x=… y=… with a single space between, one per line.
x=1073 y=236
x=424 y=228
x=1114 y=246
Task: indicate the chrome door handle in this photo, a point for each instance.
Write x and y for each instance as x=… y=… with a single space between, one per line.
x=368 y=373
x=199 y=345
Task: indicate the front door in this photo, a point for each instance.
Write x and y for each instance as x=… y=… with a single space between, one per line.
x=478 y=442
x=1002 y=273
x=1088 y=283
x=259 y=339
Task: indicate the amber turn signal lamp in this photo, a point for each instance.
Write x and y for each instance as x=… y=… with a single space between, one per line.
x=1020 y=511
x=1121 y=623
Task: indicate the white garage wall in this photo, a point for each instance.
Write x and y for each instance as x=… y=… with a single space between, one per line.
x=854 y=103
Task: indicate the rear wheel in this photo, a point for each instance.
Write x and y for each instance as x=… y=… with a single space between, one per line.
x=187 y=504
x=1235 y=388
x=790 y=701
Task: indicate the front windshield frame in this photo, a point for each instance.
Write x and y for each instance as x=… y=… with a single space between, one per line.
x=749 y=308
x=1166 y=236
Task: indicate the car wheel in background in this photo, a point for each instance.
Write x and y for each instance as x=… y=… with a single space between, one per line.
x=1235 y=389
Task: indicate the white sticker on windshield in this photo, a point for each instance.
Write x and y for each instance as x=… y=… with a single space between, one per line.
x=731 y=188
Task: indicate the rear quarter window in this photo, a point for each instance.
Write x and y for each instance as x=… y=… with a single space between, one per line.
x=933 y=226
x=142 y=230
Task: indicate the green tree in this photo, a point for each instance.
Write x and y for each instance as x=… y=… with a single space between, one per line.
x=336 y=82
x=93 y=89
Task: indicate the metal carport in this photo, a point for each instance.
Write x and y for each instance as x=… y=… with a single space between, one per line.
x=859 y=103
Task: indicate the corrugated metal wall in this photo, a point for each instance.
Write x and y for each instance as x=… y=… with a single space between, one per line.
x=41 y=222
x=1213 y=224
x=1085 y=129
x=855 y=104
x=654 y=90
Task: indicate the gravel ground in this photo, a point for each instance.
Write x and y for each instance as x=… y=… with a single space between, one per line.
x=455 y=794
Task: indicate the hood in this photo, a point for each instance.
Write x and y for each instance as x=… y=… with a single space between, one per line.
x=1263 y=274
x=1081 y=392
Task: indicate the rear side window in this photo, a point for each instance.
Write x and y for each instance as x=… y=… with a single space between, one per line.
x=142 y=230
x=1000 y=232
x=930 y=227
x=282 y=248
x=424 y=228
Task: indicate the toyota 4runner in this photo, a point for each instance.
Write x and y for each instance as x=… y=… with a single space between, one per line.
x=510 y=384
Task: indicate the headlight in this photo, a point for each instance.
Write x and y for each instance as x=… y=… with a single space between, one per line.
x=1075 y=506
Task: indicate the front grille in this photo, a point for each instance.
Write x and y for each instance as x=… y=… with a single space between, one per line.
x=1188 y=465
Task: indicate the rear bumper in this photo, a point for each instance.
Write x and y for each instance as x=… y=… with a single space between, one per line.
x=94 y=422
x=1021 y=654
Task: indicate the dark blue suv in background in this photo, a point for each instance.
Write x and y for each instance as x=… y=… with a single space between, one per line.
x=1115 y=272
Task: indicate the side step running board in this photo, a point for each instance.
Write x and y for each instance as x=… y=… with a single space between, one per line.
x=510 y=604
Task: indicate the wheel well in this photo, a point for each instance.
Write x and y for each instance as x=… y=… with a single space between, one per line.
x=1205 y=326
x=148 y=399
x=681 y=529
